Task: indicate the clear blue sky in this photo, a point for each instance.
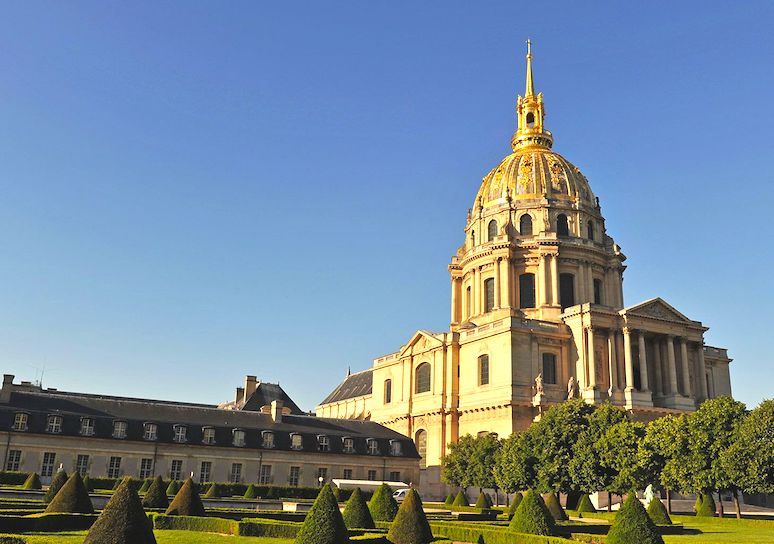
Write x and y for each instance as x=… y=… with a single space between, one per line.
x=194 y=191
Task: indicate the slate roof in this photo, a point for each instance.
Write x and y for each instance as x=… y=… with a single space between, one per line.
x=265 y=393
x=354 y=385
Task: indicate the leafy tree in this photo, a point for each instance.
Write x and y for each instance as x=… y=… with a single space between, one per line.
x=515 y=463
x=323 y=524
x=482 y=464
x=123 y=521
x=457 y=465
x=617 y=450
x=632 y=524
x=532 y=516
x=383 y=505
x=356 y=514
x=410 y=525
x=663 y=454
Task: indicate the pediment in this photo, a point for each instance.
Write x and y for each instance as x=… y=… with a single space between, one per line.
x=657 y=308
x=421 y=341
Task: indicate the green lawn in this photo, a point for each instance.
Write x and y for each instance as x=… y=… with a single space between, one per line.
x=162 y=537
x=723 y=531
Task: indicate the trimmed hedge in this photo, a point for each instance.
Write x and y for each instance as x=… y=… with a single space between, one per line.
x=59 y=479
x=123 y=521
x=632 y=524
x=12 y=540
x=32 y=482
x=552 y=503
x=488 y=534
x=461 y=499
x=707 y=507
x=532 y=516
x=47 y=523
x=658 y=513
x=449 y=500
x=383 y=506
x=195 y=523
x=213 y=492
x=269 y=528
x=585 y=505
x=356 y=513
x=250 y=492
x=156 y=495
x=323 y=523
x=72 y=498
x=8 y=477
x=186 y=502
x=173 y=488
x=517 y=498
x=482 y=501
x=410 y=525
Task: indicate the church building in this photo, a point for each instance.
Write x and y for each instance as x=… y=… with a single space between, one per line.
x=537 y=316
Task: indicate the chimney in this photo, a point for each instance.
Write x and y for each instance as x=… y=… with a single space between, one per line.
x=250 y=384
x=240 y=395
x=5 y=392
x=276 y=411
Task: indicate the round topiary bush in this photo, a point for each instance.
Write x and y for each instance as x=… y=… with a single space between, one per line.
x=323 y=524
x=356 y=514
x=517 y=498
x=173 y=488
x=32 y=481
x=156 y=496
x=250 y=492
x=553 y=505
x=532 y=516
x=72 y=498
x=461 y=499
x=632 y=524
x=449 y=500
x=60 y=478
x=383 y=506
x=658 y=513
x=585 y=505
x=187 y=501
x=123 y=521
x=214 y=491
x=410 y=525
x=707 y=506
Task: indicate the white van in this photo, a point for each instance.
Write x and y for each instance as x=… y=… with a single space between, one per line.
x=400 y=494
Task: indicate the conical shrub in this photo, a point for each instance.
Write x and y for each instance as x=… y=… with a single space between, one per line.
x=532 y=516
x=72 y=498
x=517 y=498
x=461 y=499
x=632 y=524
x=173 y=488
x=323 y=524
x=449 y=500
x=410 y=525
x=707 y=506
x=356 y=514
x=585 y=504
x=123 y=521
x=32 y=481
x=214 y=491
x=553 y=505
x=481 y=501
x=336 y=492
x=156 y=496
x=60 y=478
x=146 y=483
x=87 y=484
x=186 y=502
x=383 y=506
x=697 y=504
x=250 y=492
x=658 y=513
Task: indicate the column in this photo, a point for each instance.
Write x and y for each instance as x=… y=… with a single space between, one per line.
x=619 y=285
x=628 y=364
x=591 y=359
x=643 y=363
x=611 y=358
x=671 y=365
x=507 y=296
x=702 y=373
x=581 y=281
x=497 y=283
x=658 y=387
x=686 y=375
x=476 y=291
x=554 y=280
x=541 y=286
x=590 y=284
x=454 y=300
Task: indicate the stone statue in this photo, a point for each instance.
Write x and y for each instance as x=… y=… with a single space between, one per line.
x=539 y=383
x=649 y=494
x=571 y=388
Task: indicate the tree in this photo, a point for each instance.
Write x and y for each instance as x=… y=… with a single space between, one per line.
x=123 y=521
x=532 y=516
x=663 y=454
x=383 y=505
x=482 y=464
x=356 y=514
x=617 y=450
x=410 y=525
x=323 y=524
x=456 y=468
x=187 y=501
x=156 y=496
x=60 y=478
x=515 y=462
x=632 y=524
x=72 y=497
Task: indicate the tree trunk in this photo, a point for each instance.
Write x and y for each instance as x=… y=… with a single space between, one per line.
x=609 y=506
x=736 y=505
x=720 y=505
x=669 y=500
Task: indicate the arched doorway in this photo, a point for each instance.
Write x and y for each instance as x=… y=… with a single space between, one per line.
x=420 y=440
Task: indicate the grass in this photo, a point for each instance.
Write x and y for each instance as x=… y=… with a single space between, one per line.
x=723 y=531
x=162 y=537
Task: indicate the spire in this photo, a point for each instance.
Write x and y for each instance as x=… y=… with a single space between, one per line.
x=530 y=91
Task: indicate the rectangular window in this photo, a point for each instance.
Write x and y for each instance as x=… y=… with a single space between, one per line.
x=206 y=471
x=119 y=429
x=267 y=439
x=176 y=469
x=146 y=468
x=347 y=474
x=372 y=475
x=236 y=473
x=293 y=477
x=597 y=291
x=322 y=472
x=394 y=476
x=373 y=446
x=208 y=435
x=489 y=294
x=14 y=460
x=47 y=467
x=387 y=391
x=20 y=422
x=54 y=424
x=566 y=290
x=549 y=368
x=180 y=433
x=483 y=370
x=323 y=443
x=527 y=291
x=296 y=442
x=349 y=445
x=395 y=447
x=239 y=438
x=150 y=432
x=114 y=467
x=87 y=426
x=264 y=477
x=82 y=464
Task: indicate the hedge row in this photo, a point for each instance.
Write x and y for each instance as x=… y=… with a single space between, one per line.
x=279 y=515
x=48 y=523
x=265 y=527
x=8 y=539
x=8 y=477
x=482 y=535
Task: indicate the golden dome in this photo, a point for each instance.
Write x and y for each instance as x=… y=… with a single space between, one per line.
x=533 y=173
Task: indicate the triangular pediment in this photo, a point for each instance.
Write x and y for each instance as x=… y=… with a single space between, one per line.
x=420 y=341
x=656 y=308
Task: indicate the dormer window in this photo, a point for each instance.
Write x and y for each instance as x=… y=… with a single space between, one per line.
x=296 y=441
x=119 y=429
x=87 y=426
x=150 y=431
x=373 y=446
x=348 y=445
x=323 y=443
x=54 y=424
x=208 y=435
x=238 y=438
x=395 y=447
x=180 y=433
x=20 y=421
x=267 y=439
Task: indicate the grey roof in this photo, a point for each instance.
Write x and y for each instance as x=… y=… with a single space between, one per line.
x=354 y=385
x=265 y=393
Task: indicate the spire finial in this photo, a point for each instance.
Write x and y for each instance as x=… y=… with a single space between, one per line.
x=530 y=84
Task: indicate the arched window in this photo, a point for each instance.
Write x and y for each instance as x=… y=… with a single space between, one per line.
x=422 y=378
x=566 y=290
x=489 y=291
x=530 y=119
x=468 y=300
x=527 y=291
x=483 y=369
x=491 y=230
x=472 y=238
x=597 y=291
x=525 y=225
x=562 y=226
x=420 y=440
x=590 y=229
x=387 y=391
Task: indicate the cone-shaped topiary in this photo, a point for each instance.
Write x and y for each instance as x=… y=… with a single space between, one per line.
x=707 y=506
x=173 y=488
x=585 y=505
x=214 y=492
x=481 y=501
x=532 y=516
x=553 y=505
x=336 y=492
x=250 y=492
x=356 y=514
x=187 y=501
x=87 y=484
x=60 y=478
x=323 y=524
x=632 y=524
x=449 y=500
x=410 y=525
x=461 y=499
x=517 y=498
x=32 y=481
x=658 y=513
x=146 y=483
x=156 y=496
x=72 y=498
x=123 y=521
x=383 y=506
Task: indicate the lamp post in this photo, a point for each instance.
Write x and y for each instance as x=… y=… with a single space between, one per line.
x=321 y=480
